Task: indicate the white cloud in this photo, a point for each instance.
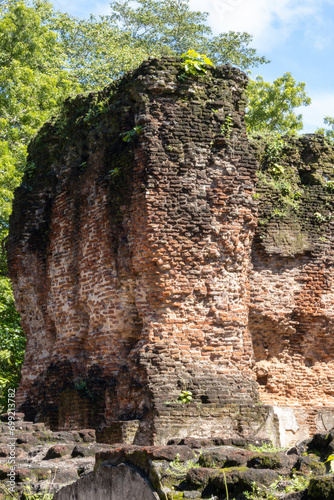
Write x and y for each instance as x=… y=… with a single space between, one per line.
x=101 y=9
x=313 y=116
x=269 y=22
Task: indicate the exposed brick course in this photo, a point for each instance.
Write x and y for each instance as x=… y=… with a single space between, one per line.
x=137 y=274
x=292 y=302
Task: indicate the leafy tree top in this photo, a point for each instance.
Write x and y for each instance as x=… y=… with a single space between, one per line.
x=271 y=105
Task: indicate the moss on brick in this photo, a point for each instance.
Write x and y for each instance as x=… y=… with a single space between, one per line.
x=294 y=193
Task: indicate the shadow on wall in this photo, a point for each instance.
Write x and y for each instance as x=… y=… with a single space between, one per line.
x=119 y=482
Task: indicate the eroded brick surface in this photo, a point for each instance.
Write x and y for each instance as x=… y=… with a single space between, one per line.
x=130 y=259
x=137 y=274
x=292 y=301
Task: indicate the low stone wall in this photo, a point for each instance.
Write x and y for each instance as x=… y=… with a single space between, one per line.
x=213 y=468
x=44 y=461
x=74 y=467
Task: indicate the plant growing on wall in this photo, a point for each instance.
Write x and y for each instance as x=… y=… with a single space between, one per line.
x=185 y=397
x=227 y=126
x=130 y=134
x=195 y=63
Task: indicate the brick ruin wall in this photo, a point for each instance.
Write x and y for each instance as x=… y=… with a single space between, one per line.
x=292 y=301
x=145 y=266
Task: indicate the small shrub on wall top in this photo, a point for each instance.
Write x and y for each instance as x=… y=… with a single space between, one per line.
x=194 y=63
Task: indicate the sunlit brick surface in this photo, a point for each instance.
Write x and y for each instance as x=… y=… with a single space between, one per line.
x=135 y=267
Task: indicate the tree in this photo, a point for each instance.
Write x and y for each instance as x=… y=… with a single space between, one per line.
x=170 y=27
x=95 y=50
x=12 y=341
x=34 y=81
x=271 y=105
x=233 y=47
x=33 y=78
x=166 y=27
x=98 y=50
x=328 y=133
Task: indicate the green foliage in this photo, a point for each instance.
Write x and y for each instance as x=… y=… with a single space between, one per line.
x=330 y=185
x=271 y=105
x=169 y=27
x=33 y=77
x=177 y=468
x=227 y=126
x=33 y=82
x=115 y=172
x=80 y=385
x=274 y=149
x=233 y=47
x=96 y=110
x=274 y=491
x=95 y=50
x=328 y=133
x=10 y=177
x=165 y=27
x=185 y=397
x=274 y=174
x=130 y=134
x=194 y=63
x=38 y=496
x=319 y=217
x=330 y=461
x=276 y=170
x=289 y=192
x=12 y=342
x=260 y=493
x=265 y=448
x=28 y=493
x=298 y=482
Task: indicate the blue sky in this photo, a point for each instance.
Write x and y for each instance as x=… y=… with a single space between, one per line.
x=296 y=35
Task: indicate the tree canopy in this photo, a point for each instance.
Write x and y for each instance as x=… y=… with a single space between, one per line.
x=33 y=83
x=271 y=105
x=328 y=133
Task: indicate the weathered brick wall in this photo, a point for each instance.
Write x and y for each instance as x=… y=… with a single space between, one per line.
x=137 y=273
x=130 y=259
x=292 y=300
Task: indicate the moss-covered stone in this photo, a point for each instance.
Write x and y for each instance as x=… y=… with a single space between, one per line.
x=266 y=461
x=310 y=463
x=321 y=488
x=225 y=456
x=241 y=479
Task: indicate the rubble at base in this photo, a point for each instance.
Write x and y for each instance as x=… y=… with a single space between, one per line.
x=73 y=465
